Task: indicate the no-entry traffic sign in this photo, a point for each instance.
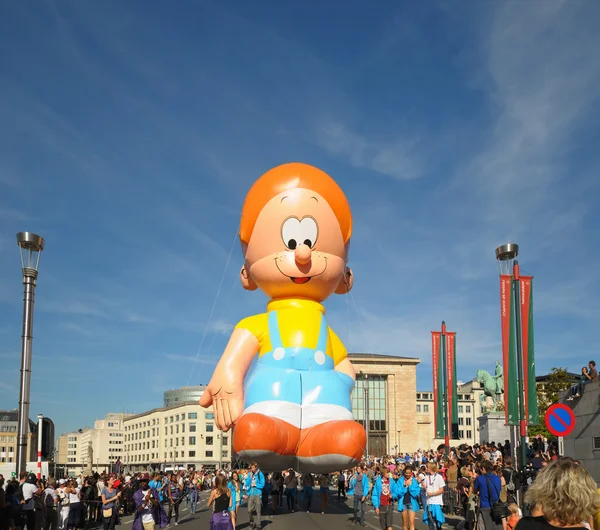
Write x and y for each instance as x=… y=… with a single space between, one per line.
x=560 y=420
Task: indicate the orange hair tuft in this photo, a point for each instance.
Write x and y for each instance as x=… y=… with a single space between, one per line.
x=294 y=175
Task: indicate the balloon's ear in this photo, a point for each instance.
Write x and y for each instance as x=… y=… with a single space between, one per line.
x=346 y=282
x=247 y=282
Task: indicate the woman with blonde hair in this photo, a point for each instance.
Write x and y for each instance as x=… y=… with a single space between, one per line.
x=564 y=494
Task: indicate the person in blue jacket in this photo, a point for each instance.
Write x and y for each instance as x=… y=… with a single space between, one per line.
x=359 y=488
x=255 y=482
x=408 y=495
x=385 y=492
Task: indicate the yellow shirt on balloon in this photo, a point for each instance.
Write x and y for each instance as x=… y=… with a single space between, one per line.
x=299 y=322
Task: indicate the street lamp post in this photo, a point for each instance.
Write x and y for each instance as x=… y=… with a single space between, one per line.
x=365 y=378
x=31 y=246
x=508 y=265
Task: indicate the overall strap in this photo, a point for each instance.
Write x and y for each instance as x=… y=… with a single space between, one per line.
x=274 y=333
x=323 y=335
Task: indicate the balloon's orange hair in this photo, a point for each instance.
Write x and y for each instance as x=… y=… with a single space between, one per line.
x=293 y=176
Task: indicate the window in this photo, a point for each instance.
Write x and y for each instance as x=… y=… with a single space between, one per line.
x=192 y=454
x=225 y=440
x=425 y=408
x=460 y=409
x=468 y=408
x=208 y=416
x=461 y=421
x=193 y=416
x=418 y=396
x=418 y=408
x=461 y=434
x=183 y=416
x=192 y=427
x=596 y=443
x=209 y=454
x=210 y=427
x=225 y=454
x=177 y=417
x=192 y=440
x=468 y=422
x=183 y=427
x=209 y=440
x=377 y=391
x=469 y=434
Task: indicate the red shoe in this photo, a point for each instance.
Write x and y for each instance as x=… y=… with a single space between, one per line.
x=337 y=444
x=264 y=439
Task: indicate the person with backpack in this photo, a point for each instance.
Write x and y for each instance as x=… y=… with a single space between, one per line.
x=51 y=502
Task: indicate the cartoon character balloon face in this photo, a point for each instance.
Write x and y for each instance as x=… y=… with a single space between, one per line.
x=293 y=409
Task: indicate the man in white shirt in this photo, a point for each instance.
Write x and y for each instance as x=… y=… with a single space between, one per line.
x=29 y=488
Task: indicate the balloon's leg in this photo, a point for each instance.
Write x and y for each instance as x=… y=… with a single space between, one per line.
x=329 y=446
x=271 y=442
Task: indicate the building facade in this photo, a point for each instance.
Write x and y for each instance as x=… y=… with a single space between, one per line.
x=385 y=394
x=183 y=436
x=469 y=409
x=185 y=394
x=94 y=449
x=9 y=420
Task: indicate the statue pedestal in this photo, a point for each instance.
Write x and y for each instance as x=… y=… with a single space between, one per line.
x=492 y=428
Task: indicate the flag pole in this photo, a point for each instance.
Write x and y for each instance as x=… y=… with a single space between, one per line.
x=521 y=394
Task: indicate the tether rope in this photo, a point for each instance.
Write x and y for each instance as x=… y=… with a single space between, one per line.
x=212 y=311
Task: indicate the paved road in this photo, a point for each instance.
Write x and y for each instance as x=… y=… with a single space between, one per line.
x=339 y=515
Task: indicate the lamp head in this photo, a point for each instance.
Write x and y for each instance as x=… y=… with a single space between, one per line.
x=31 y=246
x=506 y=255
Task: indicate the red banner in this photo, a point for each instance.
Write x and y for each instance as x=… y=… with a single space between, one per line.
x=531 y=408
x=505 y=314
x=450 y=349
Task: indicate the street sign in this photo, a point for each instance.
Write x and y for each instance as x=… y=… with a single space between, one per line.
x=560 y=420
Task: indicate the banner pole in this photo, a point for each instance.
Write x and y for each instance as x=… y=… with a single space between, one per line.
x=521 y=393
x=445 y=383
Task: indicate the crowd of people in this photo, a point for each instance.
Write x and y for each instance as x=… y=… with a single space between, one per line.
x=479 y=484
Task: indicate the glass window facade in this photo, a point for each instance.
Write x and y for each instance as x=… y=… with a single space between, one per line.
x=377 y=390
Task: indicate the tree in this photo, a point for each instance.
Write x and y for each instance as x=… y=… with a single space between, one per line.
x=547 y=395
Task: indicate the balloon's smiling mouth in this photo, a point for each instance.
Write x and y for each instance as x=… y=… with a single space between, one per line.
x=300 y=280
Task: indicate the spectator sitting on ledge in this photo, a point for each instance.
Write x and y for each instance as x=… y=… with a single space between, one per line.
x=588 y=375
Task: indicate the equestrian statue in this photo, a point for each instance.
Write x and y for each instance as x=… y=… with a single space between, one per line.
x=493 y=386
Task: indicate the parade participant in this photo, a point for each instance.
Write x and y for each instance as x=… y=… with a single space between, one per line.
x=408 y=495
x=175 y=496
x=308 y=483
x=324 y=490
x=110 y=505
x=255 y=482
x=295 y=408
x=385 y=492
x=359 y=489
x=434 y=487
x=236 y=496
x=148 y=510
x=220 y=498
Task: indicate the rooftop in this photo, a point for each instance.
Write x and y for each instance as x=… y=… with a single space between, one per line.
x=379 y=358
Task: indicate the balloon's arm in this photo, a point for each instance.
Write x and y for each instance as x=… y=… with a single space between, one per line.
x=346 y=367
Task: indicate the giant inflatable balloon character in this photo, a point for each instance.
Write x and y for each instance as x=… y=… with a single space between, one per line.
x=294 y=407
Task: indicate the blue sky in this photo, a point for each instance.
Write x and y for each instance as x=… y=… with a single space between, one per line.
x=131 y=132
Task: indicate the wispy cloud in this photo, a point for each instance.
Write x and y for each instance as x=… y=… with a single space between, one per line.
x=399 y=159
x=191 y=359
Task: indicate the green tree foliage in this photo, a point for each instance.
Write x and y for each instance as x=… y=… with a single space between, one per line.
x=547 y=395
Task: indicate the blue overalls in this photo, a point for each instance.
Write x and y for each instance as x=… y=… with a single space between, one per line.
x=297 y=375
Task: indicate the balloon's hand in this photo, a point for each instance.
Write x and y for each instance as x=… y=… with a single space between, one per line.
x=227 y=398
